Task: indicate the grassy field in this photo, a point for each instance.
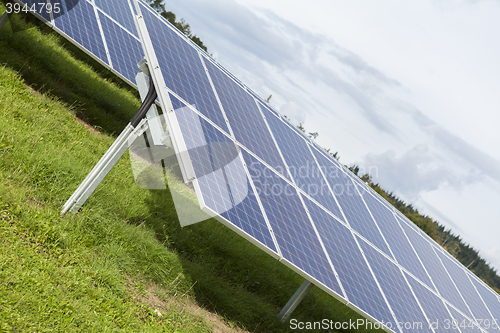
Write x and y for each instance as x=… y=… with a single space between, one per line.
x=122 y=263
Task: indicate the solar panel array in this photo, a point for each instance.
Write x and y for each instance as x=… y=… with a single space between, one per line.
x=104 y=29
x=264 y=179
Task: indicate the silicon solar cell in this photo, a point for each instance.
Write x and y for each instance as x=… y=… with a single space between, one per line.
x=433 y=306
x=436 y=270
x=461 y=322
x=395 y=237
x=81 y=23
x=354 y=274
x=320 y=223
x=294 y=232
x=182 y=68
x=245 y=118
x=491 y=300
x=406 y=309
x=221 y=176
x=352 y=204
x=466 y=289
x=84 y=31
x=302 y=165
x=125 y=50
x=120 y=11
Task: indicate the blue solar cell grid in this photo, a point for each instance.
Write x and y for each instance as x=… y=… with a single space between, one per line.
x=40 y=8
x=435 y=309
x=395 y=237
x=124 y=49
x=436 y=270
x=467 y=290
x=293 y=230
x=301 y=164
x=182 y=68
x=245 y=118
x=351 y=203
x=490 y=298
x=409 y=315
x=354 y=274
x=80 y=23
x=220 y=174
x=120 y=11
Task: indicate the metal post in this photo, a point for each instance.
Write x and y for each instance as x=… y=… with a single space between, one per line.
x=113 y=154
x=4 y=19
x=294 y=301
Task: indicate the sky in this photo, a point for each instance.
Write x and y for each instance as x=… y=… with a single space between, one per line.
x=409 y=91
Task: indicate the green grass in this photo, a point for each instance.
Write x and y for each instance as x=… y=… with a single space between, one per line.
x=124 y=254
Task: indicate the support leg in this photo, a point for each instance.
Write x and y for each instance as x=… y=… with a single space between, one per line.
x=111 y=157
x=294 y=301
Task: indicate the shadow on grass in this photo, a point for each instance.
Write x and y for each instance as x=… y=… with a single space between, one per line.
x=234 y=278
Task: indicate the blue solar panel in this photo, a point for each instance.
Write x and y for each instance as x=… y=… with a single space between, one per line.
x=462 y=323
x=124 y=49
x=433 y=306
x=400 y=247
x=436 y=270
x=294 y=232
x=490 y=298
x=120 y=11
x=351 y=202
x=182 y=68
x=221 y=176
x=467 y=290
x=80 y=24
x=406 y=309
x=245 y=118
x=301 y=164
x=310 y=239
x=354 y=274
x=40 y=8
x=265 y=106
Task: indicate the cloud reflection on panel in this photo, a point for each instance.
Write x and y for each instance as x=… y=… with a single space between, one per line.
x=215 y=159
x=156 y=167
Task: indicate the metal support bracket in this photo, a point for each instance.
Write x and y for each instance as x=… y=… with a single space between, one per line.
x=4 y=19
x=294 y=301
x=118 y=148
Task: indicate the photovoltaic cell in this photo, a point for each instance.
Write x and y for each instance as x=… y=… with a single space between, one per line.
x=352 y=204
x=491 y=300
x=354 y=274
x=245 y=118
x=408 y=313
x=125 y=51
x=301 y=164
x=221 y=176
x=80 y=23
x=466 y=289
x=464 y=324
x=120 y=11
x=264 y=106
x=435 y=269
x=292 y=228
x=40 y=10
x=401 y=248
x=182 y=68
x=432 y=305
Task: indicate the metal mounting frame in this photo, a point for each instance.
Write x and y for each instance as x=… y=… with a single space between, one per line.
x=118 y=148
x=297 y=297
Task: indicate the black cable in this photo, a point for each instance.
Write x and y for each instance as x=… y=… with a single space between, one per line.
x=146 y=105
